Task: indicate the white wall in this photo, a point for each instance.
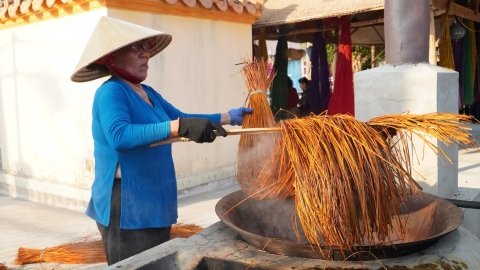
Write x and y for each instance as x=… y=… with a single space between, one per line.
x=45 y=118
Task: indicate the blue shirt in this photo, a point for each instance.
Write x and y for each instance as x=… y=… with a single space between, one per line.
x=123 y=126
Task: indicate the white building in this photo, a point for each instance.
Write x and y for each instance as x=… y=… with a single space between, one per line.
x=46 y=142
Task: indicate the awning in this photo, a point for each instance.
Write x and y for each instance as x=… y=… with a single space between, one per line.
x=278 y=12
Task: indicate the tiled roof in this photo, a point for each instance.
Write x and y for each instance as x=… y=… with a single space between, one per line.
x=10 y=9
x=278 y=12
x=223 y=5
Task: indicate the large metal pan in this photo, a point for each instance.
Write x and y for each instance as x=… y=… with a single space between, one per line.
x=268 y=225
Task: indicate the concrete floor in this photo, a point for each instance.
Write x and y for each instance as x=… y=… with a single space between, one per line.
x=32 y=225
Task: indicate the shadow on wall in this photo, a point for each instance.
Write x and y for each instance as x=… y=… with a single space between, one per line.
x=1 y=128
x=45 y=122
x=2 y=108
x=15 y=187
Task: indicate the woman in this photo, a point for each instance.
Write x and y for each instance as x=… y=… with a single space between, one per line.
x=134 y=194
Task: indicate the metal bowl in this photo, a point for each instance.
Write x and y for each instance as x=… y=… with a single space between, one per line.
x=269 y=225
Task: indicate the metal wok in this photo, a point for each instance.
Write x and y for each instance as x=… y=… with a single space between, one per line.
x=268 y=225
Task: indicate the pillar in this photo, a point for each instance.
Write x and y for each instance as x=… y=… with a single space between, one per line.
x=409 y=83
x=407 y=29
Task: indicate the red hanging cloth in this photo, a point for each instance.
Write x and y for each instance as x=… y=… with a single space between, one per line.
x=342 y=100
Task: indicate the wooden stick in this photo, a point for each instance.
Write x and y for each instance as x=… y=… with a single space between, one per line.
x=229 y=132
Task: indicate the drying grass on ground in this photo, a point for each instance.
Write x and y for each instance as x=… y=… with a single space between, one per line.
x=87 y=250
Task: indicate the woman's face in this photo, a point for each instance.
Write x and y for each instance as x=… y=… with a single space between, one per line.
x=134 y=62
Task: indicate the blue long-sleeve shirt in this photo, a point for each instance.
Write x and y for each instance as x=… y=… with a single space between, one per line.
x=123 y=125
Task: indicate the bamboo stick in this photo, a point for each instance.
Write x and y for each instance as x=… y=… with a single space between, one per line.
x=250 y=131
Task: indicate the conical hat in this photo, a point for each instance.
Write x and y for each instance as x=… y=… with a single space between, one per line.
x=108 y=36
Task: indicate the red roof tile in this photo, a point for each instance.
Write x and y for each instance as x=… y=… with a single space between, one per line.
x=11 y=9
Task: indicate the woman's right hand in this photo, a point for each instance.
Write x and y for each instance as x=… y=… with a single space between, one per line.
x=199 y=130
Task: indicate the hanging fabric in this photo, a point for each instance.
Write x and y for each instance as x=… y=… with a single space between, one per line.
x=473 y=59
x=262 y=46
x=342 y=100
x=473 y=28
x=457 y=46
x=467 y=81
x=476 y=86
x=279 y=89
x=445 y=48
x=475 y=107
x=320 y=83
x=476 y=82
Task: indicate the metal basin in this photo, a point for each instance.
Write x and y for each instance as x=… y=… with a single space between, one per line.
x=268 y=225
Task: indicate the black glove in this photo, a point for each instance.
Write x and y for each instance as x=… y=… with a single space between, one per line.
x=199 y=130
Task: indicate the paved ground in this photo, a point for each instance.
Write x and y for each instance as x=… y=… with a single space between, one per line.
x=32 y=225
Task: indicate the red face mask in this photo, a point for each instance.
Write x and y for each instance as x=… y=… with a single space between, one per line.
x=108 y=61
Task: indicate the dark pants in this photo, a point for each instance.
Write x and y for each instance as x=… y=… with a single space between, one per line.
x=121 y=243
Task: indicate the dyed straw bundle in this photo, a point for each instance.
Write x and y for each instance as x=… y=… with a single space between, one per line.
x=254 y=150
x=83 y=251
x=445 y=46
x=350 y=178
x=88 y=250
x=448 y=128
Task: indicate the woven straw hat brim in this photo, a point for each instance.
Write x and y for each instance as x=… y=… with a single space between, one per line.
x=108 y=36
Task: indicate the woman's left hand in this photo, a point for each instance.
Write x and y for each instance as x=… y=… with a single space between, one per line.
x=237 y=115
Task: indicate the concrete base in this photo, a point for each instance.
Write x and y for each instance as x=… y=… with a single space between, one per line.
x=417 y=89
x=471 y=216
x=217 y=247
x=44 y=192
x=469 y=184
